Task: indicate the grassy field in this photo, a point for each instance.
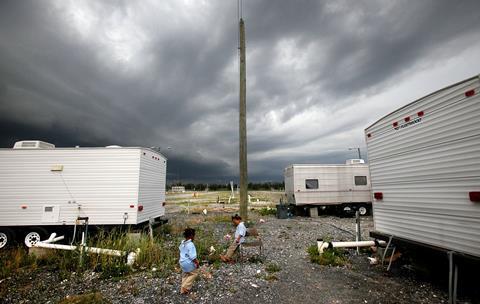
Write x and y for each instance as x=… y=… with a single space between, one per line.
x=194 y=202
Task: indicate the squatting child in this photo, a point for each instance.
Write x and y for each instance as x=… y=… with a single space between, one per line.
x=240 y=233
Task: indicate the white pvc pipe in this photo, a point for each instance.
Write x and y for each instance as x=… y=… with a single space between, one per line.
x=105 y=251
x=131 y=258
x=55 y=246
x=87 y=249
x=53 y=238
x=58 y=239
x=324 y=245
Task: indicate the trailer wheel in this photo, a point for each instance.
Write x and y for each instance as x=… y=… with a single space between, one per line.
x=6 y=238
x=34 y=236
x=363 y=210
x=347 y=211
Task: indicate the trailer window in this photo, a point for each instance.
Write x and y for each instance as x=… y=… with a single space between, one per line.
x=49 y=209
x=360 y=180
x=311 y=183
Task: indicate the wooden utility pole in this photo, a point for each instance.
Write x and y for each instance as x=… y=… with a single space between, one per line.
x=243 y=126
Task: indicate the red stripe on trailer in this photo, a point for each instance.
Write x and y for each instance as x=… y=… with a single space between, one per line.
x=470 y=93
x=474 y=196
x=378 y=195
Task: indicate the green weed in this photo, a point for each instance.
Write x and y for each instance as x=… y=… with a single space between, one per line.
x=13 y=260
x=267 y=211
x=271 y=277
x=220 y=218
x=272 y=267
x=331 y=257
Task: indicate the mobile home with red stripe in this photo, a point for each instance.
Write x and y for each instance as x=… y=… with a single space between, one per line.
x=425 y=171
x=45 y=189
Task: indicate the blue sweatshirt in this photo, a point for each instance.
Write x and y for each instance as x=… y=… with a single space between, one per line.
x=188 y=253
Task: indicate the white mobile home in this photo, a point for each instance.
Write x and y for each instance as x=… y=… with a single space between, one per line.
x=343 y=187
x=44 y=189
x=425 y=170
x=178 y=189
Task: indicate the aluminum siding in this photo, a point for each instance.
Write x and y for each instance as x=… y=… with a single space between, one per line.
x=153 y=171
x=289 y=191
x=426 y=170
x=103 y=181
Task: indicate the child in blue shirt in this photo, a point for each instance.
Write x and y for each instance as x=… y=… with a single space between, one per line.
x=188 y=261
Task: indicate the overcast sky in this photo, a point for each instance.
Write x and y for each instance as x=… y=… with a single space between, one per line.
x=165 y=73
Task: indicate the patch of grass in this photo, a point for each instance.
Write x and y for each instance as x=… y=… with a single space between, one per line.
x=13 y=260
x=220 y=218
x=272 y=267
x=204 y=240
x=89 y=298
x=330 y=257
x=256 y=259
x=267 y=211
x=65 y=262
x=114 y=270
x=271 y=277
x=164 y=230
x=267 y=276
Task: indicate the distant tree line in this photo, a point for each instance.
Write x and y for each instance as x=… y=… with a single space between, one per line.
x=267 y=186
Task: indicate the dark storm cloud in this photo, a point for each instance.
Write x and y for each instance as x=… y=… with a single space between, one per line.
x=165 y=74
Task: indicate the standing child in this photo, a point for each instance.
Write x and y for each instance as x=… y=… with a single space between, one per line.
x=188 y=261
x=240 y=233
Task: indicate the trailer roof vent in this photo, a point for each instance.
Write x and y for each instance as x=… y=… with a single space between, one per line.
x=33 y=144
x=354 y=161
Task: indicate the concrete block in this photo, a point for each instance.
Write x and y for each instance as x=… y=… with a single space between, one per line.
x=313 y=211
x=39 y=252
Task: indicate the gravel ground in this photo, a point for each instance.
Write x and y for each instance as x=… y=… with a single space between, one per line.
x=297 y=281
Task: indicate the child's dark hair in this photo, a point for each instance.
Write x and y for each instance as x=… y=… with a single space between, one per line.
x=236 y=217
x=189 y=233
